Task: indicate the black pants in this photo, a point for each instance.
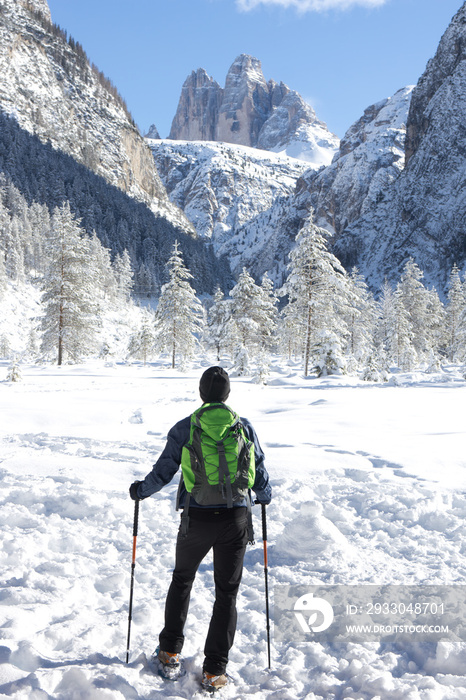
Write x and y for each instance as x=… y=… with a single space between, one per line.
x=224 y=530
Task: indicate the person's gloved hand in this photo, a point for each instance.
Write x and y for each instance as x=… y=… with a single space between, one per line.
x=133 y=491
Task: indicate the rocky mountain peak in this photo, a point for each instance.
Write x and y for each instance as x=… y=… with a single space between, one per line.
x=197 y=113
x=245 y=70
x=246 y=103
x=249 y=111
x=152 y=133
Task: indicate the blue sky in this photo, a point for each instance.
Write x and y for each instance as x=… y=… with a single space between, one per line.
x=340 y=55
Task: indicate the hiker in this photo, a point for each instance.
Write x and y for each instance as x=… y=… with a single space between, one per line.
x=219 y=519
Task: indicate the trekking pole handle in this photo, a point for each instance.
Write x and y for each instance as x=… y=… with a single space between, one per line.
x=264 y=523
x=136 y=517
x=264 y=532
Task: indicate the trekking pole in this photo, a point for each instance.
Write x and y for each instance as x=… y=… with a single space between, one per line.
x=133 y=564
x=264 y=538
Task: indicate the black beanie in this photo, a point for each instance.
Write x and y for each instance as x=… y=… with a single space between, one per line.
x=214 y=385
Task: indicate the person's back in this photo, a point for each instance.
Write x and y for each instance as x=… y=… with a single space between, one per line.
x=219 y=521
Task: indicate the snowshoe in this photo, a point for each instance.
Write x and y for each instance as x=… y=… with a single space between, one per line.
x=169 y=666
x=212 y=683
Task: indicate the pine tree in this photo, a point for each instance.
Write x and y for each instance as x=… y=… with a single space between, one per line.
x=360 y=317
x=217 y=323
x=315 y=288
x=142 y=343
x=179 y=311
x=14 y=250
x=436 y=321
x=415 y=300
x=3 y=276
x=70 y=318
x=14 y=373
x=124 y=275
x=107 y=283
x=454 y=320
x=268 y=316
x=386 y=322
x=245 y=326
x=327 y=353
x=289 y=332
x=143 y=282
x=5 y=346
x=401 y=341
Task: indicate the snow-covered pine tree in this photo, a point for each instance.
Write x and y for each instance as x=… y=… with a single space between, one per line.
x=33 y=344
x=415 y=300
x=143 y=282
x=246 y=325
x=70 y=317
x=360 y=317
x=3 y=275
x=455 y=317
x=327 y=353
x=5 y=347
x=435 y=334
x=14 y=373
x=39 y=218
x=268 y=316
x=401 y=340
x=142 y=343
x=107 y=283
x=246 y=312
x=14 y=250
x=375 y=370
x=289 y=332
x=179 y=312
x=315 y=287
x=123 y=271
x=217 y=323
x=386 y=321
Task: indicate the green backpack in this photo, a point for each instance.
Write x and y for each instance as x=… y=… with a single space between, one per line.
x=218 y=462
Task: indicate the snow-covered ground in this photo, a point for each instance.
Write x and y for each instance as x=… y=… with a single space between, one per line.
x=369 y=487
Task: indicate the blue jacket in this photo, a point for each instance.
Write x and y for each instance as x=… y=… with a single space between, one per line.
x=169 y=462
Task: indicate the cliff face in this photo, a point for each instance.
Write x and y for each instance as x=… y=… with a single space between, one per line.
x=197 y=113
x=48 y=85
x=423 y=214
x=370 y=158
x=249 y=111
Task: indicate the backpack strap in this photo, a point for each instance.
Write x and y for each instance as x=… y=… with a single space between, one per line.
x=178 y=492
x=224 y=473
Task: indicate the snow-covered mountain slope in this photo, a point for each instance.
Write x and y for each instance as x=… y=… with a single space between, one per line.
x=222 y=187
x=370 y=157
x=51 y=89
x=251 y=112
x=422 y=215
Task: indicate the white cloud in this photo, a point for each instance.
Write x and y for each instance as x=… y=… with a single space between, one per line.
x=311 y=5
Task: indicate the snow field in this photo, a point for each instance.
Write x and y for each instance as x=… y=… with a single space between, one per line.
x=369 y=487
